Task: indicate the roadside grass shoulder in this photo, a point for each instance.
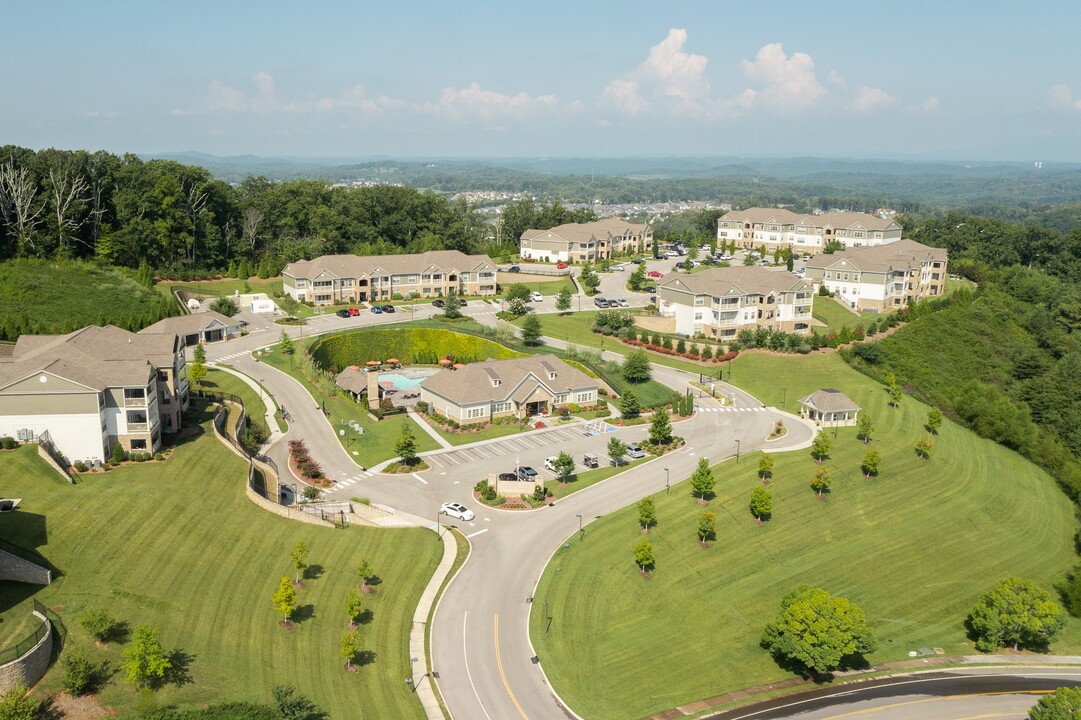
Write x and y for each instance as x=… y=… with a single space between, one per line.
x=206 y=565
x=914 y=547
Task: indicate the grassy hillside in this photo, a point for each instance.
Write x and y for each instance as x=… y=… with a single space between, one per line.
x=41 y=297
x=914 y=547
x=206 y=565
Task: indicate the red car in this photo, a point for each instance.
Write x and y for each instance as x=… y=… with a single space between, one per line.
x=561 y=266
x=654 y=274
x=354 y=312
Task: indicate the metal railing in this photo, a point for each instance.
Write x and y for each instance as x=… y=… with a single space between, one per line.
x=27 y=643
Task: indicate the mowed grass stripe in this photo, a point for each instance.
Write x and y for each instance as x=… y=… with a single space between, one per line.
x=177 y=545
x=914 y=547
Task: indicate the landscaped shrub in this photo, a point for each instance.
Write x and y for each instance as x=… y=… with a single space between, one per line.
x=8 y=443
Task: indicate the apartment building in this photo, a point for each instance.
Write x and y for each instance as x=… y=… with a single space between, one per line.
x=805 y=234
x=586 y=242
x=719 y=302
x=884 y=278
x=94 y=388
x=337 y=279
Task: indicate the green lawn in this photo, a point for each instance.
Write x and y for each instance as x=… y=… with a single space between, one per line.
x=254 y=402
x=489 y=433
x=584 y=479
x=179 y=546
x=220 y=288
x=544 y=287
x=376 y=444
x=835 y=315
x=914 y=547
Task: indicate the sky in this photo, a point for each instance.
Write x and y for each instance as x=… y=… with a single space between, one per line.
x=899 y=80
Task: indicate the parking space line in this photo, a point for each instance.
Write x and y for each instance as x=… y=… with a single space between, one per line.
x=483 y=451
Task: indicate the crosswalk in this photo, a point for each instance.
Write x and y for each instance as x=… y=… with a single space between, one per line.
x=729 y=409
x=224 y=358
x=353 y=479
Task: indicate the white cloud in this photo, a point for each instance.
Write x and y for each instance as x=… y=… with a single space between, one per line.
x=624 y=95
x=224 y=97
x=668 y=78
x=356 y=99
x=266 y=96
x=837 y=81
x=868 y=99
x=264 y=100
x=788 y=84
x=486 y=105
x=930 y=104
x=1062 y=97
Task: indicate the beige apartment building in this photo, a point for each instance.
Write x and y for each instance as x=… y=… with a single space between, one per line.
x=337 y=279
x=882 y=279
x=805 y=234
x=586 y=242
x=93 y=388
x=720 y=302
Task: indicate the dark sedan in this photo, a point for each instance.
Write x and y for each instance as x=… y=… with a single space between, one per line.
x=388 y=308
x=438 y=303
x=342 y=313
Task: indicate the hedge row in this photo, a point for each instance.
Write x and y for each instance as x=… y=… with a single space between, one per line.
x=425 y=346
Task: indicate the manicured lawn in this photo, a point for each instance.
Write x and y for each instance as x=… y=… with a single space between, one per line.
x=835 y=315
x=489 y=433
x=953 y=286
x=376 y=444
x=544 y=287
x=178 y=545
x=584 y=479
x=914 y=547
x=254 y=404
x=220 y=288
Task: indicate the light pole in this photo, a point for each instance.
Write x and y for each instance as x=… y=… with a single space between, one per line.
x=737 y=452
x=784 y=397
x=581 y=530
x=667 y=484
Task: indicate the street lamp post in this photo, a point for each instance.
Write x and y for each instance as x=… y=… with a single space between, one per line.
x=581 y=530
x=667 y=483
x=737 y=451
x=784 y=397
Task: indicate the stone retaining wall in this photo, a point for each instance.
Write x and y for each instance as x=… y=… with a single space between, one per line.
x=29 y=668
x=13 y=567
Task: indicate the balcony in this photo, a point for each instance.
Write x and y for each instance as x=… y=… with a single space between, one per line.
x=135 y=401
x=138 y=427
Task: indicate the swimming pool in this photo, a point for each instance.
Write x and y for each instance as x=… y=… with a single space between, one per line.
x=402 y=382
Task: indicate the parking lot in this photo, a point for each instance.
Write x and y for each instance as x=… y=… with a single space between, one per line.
x=527 y=449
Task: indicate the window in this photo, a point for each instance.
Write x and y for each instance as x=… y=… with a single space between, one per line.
x=426 y=277
x=163 y=376
x=473 y=413
x=699 y=301
x=698 y=315
x=138 y=444
x=583 y=397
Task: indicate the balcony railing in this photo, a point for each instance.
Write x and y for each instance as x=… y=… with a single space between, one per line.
x=134 y=402
x=138 y=427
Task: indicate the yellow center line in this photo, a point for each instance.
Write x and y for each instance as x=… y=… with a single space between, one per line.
x=503 y=675
x=868 y=711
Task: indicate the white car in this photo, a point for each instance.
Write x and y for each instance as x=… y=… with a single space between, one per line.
x=550 y=463
x=537 y=297
x=457 y=510
x=622 y=303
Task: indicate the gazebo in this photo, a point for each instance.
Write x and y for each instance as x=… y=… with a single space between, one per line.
x=829 y=407
x=353 y=381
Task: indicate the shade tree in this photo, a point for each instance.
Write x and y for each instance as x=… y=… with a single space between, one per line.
x=820 y=446
x=817 y=633
x=1015 y=613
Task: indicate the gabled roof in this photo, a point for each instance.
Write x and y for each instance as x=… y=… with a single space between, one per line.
x=352 y=379
x=736 y=280
x=900 y=255
x=781 y=216
x=582 y=232
x=356 y=265
x=187 y=324
x=519 y=377
x=829 y=400
x=95 y=357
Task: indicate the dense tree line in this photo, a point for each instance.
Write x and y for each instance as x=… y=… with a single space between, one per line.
x=183 y=222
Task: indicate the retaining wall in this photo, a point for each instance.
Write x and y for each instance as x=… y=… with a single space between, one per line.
x=29 y=668
x=13 y=567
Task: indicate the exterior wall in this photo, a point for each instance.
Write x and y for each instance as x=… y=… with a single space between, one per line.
x=29 y=668
x=787 y=313
x=555 y=250
x=78 y=436
x=385 y=286
x=878 y=291
x=15 y=569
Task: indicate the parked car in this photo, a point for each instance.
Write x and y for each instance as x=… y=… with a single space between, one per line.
x=671 y=254
x=638 y=261
x=514 y=268
x=617 y=268
x=388 y=308
x=457 y=510
x=724 y=257
x=654 y=274
x=376 y=310
x=537 y=297
x=526 y=473
x=622 y=303
x=550 y=463
x=438 y=303
x=633 y=451
x=353 y=312
x=342 y=313
x=462 y=302
x=650 y=289
x=600 y=302
x=561 y=266
x=590 y=460
x=508 y=477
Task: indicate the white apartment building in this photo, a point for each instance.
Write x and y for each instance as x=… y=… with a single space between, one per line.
x=776 y=228
x=882 y=279
x=586 y=242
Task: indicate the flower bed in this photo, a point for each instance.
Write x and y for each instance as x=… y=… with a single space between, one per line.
x=302 y=464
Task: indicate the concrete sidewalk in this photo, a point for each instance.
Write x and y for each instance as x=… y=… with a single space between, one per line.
x=426 y=690
x=419 y=420
x=269 y=400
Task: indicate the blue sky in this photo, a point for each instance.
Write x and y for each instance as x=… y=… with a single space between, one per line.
x=922 y=80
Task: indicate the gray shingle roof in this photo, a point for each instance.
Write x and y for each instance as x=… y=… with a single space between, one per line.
x=781 y=216
x=579 y=232
x=829 y=400
x=473 y=383
x=738 y=280
x=903 y=254
x=444 y=261
x=186 y=324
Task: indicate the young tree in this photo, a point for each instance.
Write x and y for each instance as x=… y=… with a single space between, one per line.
x=352 y=608
x=820 y=446
x=285 y=343
x=765 y=467
x=637 y=280
x=563 y=301
x=643 y=555
x=197 y=372
x=349 y=647
x=934 y=420
x=452 y=306
x=517 y=291
x=99 y=623
x=820 y=483
x=818 y=632
x=589 y=279
x=647 y=513
x=564 y=465
x=865 y=427
x=285 y=600
x=702 y=480
x=628 y=405
x=1015 y=613
x=660 y=428
x=199 y=353
x=531 y=329
x=406 y=445
x=300 y=560
x=924 y=447
x=871 y=462
x=1063 y=704
x=893 y=387
x=17 y=704
x=78 y=672
x=366 y=574
x=761 y=503
x=616 y=450
x=636 y=367
x=290 y=705
x=144 y=660
x=707 y=526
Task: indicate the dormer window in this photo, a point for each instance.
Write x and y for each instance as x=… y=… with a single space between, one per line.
x=551 y=375
x=496 y=383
